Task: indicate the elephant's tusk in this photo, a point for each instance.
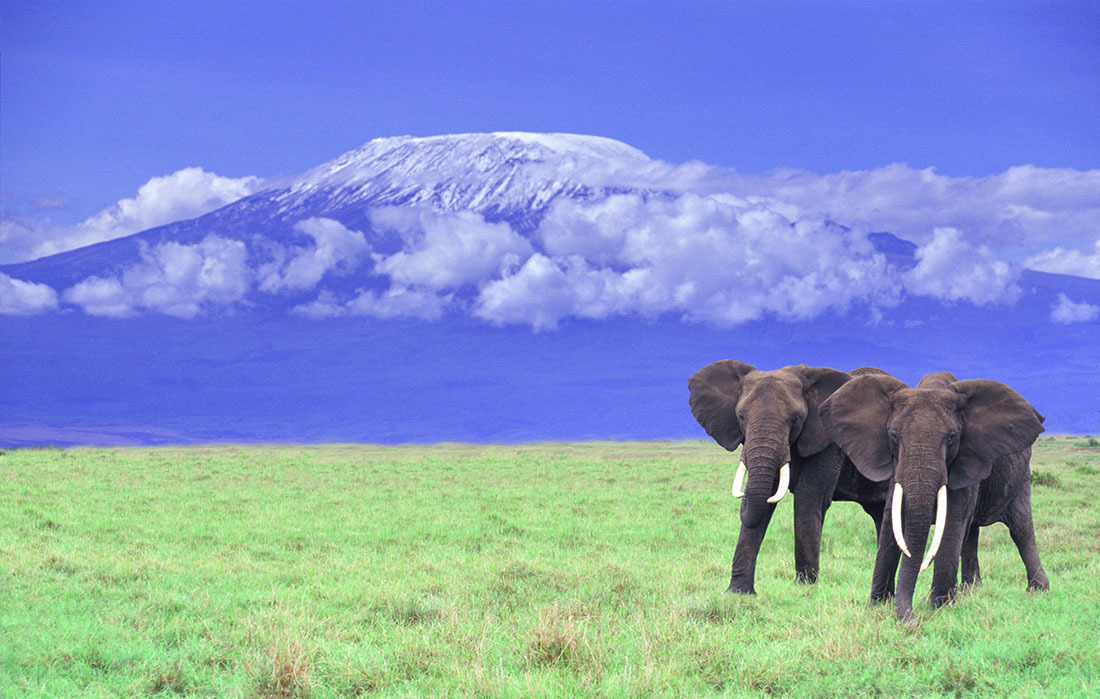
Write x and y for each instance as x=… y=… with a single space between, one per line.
x=784 y=481
x=895 y=516
x=941 y=522
x=739 y=481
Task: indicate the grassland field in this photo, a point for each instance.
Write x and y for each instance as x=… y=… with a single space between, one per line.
x=521 y=570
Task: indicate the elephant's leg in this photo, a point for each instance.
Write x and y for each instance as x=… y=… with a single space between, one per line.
x=816 y=484
x=1022 y=528
x=945 y=575
x=886 y=560
x=744 y=556
x=809 y=516
x=971 y=571
x=874 y=509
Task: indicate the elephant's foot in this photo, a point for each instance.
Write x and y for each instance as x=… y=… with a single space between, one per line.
x=741 y=587
x=806 y=577
x=942 y=597
x=1038 y=582
x=974 y=581
x=908 y=617
x=882 y=591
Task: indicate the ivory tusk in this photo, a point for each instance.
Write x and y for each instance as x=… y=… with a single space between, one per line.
x=784 y=481
x=895 y=516
x=739 y=481
x=941 y=522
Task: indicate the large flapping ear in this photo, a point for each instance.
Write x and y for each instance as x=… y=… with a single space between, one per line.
x=820 y=383
x=855 y=418
x=997 y=421
x=715 y=390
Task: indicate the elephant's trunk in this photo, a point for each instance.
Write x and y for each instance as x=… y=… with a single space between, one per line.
x=766 y=455
x=923 y=500
x=916 y=534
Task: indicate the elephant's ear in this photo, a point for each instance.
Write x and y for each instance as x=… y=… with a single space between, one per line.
x=820 y=383
x=997 y=421
x=715 y=390
x=855 y=418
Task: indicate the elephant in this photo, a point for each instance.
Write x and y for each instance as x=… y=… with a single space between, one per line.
x=775 y=415
x=952 y=451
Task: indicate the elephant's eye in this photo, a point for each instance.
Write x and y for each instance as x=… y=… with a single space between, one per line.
x=952 y=438
x=741 y=415
x=893 y=435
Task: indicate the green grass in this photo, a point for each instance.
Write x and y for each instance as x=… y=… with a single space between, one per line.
x=557 y=569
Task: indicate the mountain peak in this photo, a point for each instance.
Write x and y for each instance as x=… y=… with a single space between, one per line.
x=481 y=153
x=485 y=172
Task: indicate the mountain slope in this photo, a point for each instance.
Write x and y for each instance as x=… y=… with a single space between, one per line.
x=509 y=176
x=390 y=295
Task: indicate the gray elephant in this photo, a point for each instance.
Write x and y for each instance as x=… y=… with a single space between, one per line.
x=954 y=452
x=775 y=415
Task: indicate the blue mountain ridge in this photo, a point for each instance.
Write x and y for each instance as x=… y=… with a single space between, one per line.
x=261 y=374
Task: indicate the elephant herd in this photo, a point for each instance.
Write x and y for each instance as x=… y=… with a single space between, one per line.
x=950 y=452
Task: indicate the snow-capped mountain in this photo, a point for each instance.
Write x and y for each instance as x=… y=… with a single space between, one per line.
x=391 y=294
x=505 y=173
x=509 y=176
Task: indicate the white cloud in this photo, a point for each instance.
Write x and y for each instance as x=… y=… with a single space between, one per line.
x=397 y=302
x=950 y=268
x=446 y=251
x=20 y=298
x=1063 y=261
x=184 y=194
x=172 y=278
x=1024 y=208
x=716 y=259
x=699 y=242
x=335 y=248
x=1067 y=311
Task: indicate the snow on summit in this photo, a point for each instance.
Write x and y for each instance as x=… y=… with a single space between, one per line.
x=504 y=170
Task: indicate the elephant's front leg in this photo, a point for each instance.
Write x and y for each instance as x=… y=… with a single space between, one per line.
x=809 y=516
x=744 y=557
x=816 y=483
x=960 y=514
x=886 y=559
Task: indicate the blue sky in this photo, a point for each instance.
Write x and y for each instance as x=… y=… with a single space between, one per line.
x=97 y=98
x=967 y=128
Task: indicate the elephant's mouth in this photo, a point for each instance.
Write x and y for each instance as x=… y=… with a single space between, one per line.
x=941 y=521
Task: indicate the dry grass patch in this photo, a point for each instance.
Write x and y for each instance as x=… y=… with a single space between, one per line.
x=562 y=638
x=284 y=671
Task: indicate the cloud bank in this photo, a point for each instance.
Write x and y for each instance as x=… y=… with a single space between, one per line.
x=951 y=269
x=335 y=248
x=184 y=194
x=174 y=279
x=693 y=241
x=22 y=298
x=1067 y=311
x=1063 y=261
x=1025 y=207
x=715 y=259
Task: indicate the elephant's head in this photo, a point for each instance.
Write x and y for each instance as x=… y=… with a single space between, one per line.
x=771 y=412
x=944 y=434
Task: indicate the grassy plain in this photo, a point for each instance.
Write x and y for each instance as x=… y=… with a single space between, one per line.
x=552 y=569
